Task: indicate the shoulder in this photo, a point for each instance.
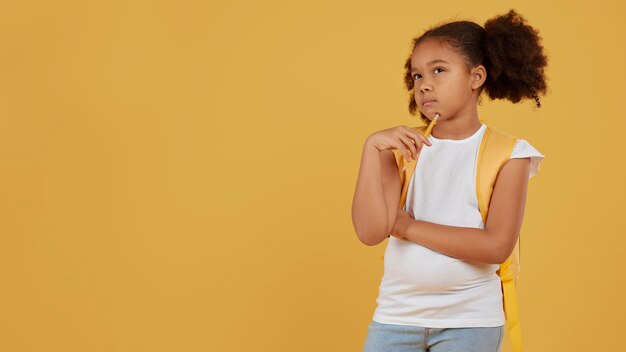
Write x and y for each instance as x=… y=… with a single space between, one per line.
x=523 y=149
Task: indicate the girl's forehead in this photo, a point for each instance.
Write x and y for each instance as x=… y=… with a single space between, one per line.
x=433 y=50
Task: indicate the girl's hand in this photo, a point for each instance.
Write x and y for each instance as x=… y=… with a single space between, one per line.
x=403 y=220
x=403 y=138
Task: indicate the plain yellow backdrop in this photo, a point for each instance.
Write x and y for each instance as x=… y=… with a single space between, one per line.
x=178 y=175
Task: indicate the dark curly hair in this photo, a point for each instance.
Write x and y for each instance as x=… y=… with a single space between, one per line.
x=509 y=49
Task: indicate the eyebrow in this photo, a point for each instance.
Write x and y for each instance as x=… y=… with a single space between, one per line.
x=433 y=62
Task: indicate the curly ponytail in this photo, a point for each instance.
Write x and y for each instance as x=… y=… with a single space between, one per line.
x=515 y=58
x=509 y=49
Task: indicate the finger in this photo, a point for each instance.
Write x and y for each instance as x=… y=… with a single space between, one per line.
x=417 y=140
x=406 y=151
x=404 y=146
x=409 y=144
x=400 y=147
x=426 y=141
x=420 y=136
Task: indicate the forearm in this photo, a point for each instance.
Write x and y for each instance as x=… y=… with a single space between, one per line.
x=466 y=243
x=369 y=210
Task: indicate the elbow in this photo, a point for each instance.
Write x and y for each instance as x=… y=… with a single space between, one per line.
x=500 y=254
x=371 y=238
x=498 y=245
x=370 y=232
x=498 y=258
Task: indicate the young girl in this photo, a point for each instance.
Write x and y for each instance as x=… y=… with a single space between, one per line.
x=440 y=291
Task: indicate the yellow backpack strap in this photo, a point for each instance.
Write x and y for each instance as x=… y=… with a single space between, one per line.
x=405 y=176
x=495 y=150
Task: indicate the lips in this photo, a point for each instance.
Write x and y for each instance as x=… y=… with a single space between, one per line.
x=428 y=102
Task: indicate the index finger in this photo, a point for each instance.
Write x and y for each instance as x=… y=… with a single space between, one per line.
x=420 y=137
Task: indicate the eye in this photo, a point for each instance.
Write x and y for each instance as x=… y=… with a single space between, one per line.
x=417 y=75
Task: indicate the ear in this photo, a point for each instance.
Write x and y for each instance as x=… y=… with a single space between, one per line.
x=478 y=75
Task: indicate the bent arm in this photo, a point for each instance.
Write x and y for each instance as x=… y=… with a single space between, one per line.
x=377 y=195
x=494 y=243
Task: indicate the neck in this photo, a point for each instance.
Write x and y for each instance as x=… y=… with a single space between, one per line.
x=456 y=128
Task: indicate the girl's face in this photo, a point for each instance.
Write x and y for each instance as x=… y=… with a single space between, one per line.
x=442 y=81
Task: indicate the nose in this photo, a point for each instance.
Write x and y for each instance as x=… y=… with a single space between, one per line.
x=425 y=86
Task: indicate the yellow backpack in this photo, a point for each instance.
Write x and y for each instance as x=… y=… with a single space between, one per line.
x=495 y=150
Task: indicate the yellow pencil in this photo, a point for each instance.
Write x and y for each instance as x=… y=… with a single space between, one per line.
x=432 y=124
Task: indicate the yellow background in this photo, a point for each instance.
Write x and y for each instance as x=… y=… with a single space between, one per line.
x=178 y=175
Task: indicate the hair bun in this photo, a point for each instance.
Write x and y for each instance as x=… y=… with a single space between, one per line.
x=514 y=53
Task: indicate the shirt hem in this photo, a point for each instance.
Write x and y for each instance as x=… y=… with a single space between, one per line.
x=441 y=323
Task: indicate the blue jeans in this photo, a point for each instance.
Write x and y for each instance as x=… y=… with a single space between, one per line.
x=404 y=338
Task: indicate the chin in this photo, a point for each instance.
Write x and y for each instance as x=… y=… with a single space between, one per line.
x=428 y=118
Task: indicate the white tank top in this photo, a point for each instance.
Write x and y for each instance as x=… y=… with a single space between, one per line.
x=424 y=287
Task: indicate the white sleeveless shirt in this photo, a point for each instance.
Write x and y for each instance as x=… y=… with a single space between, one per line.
x=427 y=288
